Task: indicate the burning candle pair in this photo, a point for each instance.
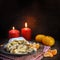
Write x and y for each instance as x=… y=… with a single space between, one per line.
x=25 y=32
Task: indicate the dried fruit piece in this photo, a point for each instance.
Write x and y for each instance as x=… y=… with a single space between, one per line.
x=54 y=52
x=48 y=54
x=37 y=46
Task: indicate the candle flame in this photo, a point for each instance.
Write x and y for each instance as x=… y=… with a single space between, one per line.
x=13 y=27
x=25 y=24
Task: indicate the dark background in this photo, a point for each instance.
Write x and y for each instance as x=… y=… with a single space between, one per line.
x=43 y=16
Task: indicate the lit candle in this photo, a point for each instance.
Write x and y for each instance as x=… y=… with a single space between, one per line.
x=14 y=33
x=26 y=32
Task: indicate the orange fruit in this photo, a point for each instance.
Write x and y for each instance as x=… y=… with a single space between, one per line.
x=48 y=40
x=39 y=37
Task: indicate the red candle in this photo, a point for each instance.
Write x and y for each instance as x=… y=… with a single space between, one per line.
x=26 y=32
x=14 y=33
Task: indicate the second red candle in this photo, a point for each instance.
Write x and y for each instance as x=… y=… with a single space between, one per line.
x=26 y=32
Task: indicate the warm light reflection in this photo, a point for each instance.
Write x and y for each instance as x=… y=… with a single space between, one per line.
x=25 y=24
x=13 y=27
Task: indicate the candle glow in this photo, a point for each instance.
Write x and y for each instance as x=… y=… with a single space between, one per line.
x=26 y=24
x=13 y=27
